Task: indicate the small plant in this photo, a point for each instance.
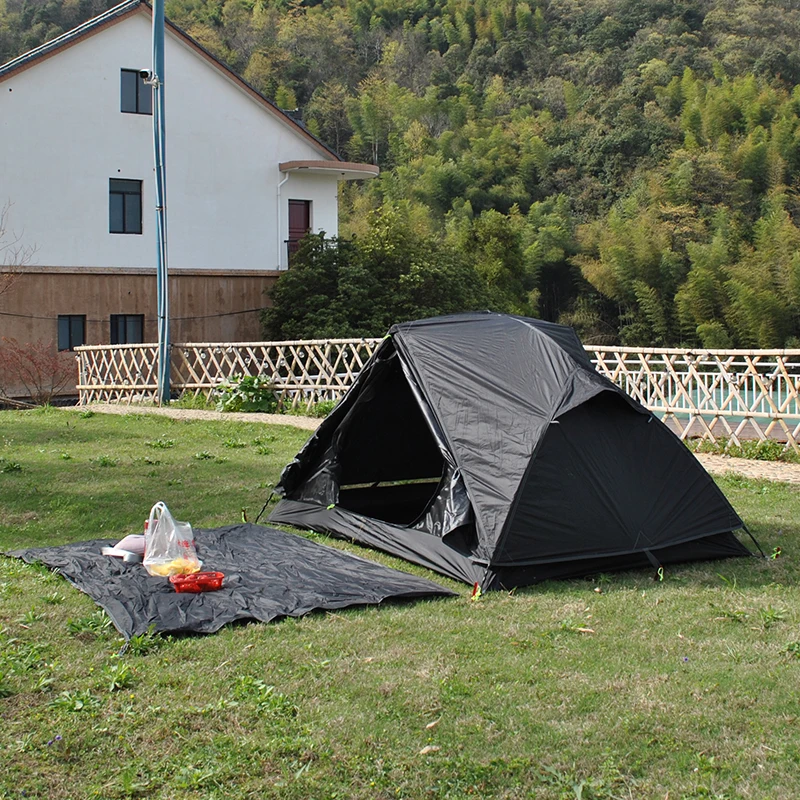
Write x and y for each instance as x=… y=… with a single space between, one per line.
x=29 y=617
x=322 y=408
x=203 y=455
x=731 y=583
x=88 y=414
x=105 y=461
x=18 y=656
x=54 y=599
x=610 y=784
x=319 y=410
x=266 y=697
x=234 y=443
x=161 y=444
x=94 y=625
x=792 y=649
x=75 y=701
x=249 y=393
x=769 y=616
x=143 y=643
x=117 y=675
x=9 y=466
x=734 y=616
x=199 y=402
x=5 y=687
x=44 y=683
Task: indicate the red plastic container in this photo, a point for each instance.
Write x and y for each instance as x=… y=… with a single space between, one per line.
x=197 y=582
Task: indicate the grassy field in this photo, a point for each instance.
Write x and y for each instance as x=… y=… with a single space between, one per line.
x=617 y=687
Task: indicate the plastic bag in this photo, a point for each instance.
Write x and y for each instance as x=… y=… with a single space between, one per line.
x=169 y=545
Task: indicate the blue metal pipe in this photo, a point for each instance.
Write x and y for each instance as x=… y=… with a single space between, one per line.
x=159 y=148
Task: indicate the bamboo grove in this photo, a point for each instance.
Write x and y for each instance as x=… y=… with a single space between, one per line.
x=629 y=167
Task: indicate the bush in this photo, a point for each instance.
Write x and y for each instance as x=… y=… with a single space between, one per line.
x=247 y=393
x=338 y=288
x=36 y=368
x=320 y=409
x=758 y=449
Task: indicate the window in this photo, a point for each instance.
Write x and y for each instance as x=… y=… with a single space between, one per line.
x=136 y=97
x=127 y=328
x=71 y=331
x=124 y=206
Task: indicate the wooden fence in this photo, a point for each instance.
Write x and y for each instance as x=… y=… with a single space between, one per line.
x=733 y=394
x=302 y=372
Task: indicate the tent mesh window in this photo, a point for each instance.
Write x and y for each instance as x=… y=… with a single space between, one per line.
x=390 y=465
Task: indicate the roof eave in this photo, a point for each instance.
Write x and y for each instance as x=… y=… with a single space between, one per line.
x=344 y=170
x=71 y=37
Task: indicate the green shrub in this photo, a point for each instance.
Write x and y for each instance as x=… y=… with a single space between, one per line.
x=322 y=408
x=319 y=410
x=760 y=450
x=190 y=400
x=246 y=393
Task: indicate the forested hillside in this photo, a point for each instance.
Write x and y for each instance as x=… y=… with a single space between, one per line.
x=630 y=167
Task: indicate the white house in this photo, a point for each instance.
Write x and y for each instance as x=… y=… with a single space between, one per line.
x=244 y=182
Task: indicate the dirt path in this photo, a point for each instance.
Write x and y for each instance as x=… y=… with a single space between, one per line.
x=718 y=465
x=308 y=423
x=751 y=468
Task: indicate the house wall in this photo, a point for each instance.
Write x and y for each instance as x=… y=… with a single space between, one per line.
x=204 y=305
x=62 y=136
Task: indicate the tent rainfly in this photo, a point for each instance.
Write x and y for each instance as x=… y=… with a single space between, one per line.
x=487 y=448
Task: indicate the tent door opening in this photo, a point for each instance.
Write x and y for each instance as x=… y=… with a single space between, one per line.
x=390 y=464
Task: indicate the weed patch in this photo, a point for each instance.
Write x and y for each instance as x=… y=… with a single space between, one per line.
x=161 y=443
x=761 y=450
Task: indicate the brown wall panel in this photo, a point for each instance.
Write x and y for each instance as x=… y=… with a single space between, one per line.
x=204 y=306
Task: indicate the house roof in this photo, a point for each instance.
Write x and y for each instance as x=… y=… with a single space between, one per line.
x=122 y=11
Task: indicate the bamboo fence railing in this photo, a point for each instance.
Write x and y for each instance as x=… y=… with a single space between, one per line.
x=302 y=372
x=733 y=394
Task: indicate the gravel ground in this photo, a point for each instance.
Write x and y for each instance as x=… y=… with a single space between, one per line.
x=308 y=423
x=750 y=468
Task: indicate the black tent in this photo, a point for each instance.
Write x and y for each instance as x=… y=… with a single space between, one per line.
x=486 y=447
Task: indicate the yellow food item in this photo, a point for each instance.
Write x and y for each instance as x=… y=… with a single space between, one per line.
x=178 y=566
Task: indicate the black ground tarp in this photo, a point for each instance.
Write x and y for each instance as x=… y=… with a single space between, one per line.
x=268 y=574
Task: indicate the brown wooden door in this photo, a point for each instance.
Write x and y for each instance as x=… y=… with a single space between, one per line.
x=299 y=222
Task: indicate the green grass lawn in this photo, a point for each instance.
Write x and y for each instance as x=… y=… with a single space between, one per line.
x=617 y=687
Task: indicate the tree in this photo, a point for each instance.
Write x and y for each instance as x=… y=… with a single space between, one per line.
x=395 y=272
x=629 y=258
x=35 y=368
x=328 y=110
x=764 y=285
x=14 y=253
